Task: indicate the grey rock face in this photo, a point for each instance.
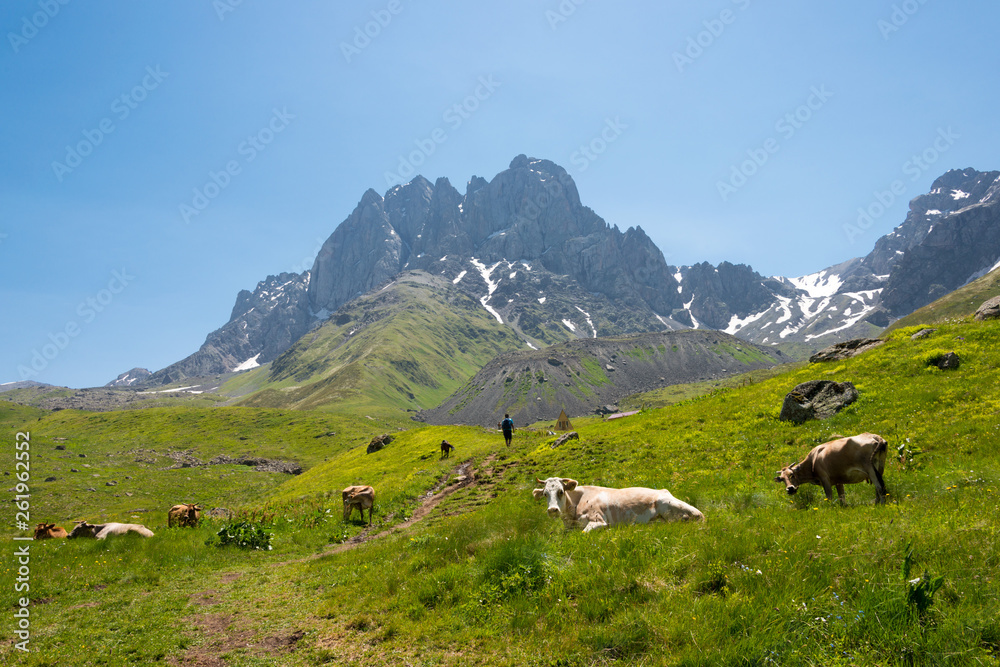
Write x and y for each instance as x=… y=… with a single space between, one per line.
x=958 y=227
x=845 y=350
x=989 y=310
x=262 y=325
x=817 y=399
x=136 y=376
x=522 y=237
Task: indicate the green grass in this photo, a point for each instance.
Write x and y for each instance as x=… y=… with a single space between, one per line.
x=408 y=347
x=489 y=579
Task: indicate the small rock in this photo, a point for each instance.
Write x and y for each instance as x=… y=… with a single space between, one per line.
x=92 y=489
x=50 y=479
x=923 y=333
x=73 y=470
x=948 y=362
x=83 y=456
x=61 y=447
x=111 y=483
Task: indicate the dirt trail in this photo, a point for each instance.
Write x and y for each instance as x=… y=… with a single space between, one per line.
x=467 y=476
x=226 y=633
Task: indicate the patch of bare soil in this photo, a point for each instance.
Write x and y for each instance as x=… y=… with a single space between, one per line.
x=223 y=634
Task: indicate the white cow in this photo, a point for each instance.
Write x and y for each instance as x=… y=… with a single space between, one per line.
x=594 y=507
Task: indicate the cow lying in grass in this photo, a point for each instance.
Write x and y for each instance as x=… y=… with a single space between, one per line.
x=592 y=507
x=46 y=531
x=858 y=458
x=362 y=497
x=101 y=531
x=185 y=515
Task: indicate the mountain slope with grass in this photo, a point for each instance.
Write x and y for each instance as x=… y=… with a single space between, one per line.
x=403 y=347
x=487 y=578
x=583 y=375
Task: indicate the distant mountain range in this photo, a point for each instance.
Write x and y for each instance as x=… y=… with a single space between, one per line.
x=549 y=269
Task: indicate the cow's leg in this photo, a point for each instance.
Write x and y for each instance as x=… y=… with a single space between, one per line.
x=827 y=487
x=875 y=477
x=840 y=494
x=594 y=525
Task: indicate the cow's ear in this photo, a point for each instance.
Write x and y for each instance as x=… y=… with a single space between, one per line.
x=568 y=484
x=538 y=493
x=777 y=478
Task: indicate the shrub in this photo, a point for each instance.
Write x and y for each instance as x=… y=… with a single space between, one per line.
x=245 y=535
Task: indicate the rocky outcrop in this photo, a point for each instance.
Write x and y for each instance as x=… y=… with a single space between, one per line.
x=817 y=399
x=378 y=443
x=989 y=310
x=522 y=244
x=263 y=324
x=136 y=376
x=958 y=227
x=845 y=350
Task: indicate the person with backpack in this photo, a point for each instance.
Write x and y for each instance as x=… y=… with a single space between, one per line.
x=507 y=426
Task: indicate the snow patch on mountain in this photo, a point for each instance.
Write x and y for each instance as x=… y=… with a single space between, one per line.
x=248 y=364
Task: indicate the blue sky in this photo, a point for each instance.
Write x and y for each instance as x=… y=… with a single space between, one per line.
x=160 y=156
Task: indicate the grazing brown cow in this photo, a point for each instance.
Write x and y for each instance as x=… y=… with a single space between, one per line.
x=185 y=515
x=592 y=507
x=362 y=497
x=46 y=531
x=101 y=531
x=446 y=449
x=858 y=458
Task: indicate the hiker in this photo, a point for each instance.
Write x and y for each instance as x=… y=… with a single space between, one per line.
x=446 y=448
x=507 y=425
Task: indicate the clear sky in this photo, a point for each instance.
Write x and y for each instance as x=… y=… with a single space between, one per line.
x=157 y=157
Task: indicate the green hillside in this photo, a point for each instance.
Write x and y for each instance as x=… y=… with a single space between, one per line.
x=406 y=347
x=961 y=303
x=486 y=578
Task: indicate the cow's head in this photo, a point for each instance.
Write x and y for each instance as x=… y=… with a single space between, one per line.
x=48 y=530
x=555 y=489
x=84 y=529
x=789 y=478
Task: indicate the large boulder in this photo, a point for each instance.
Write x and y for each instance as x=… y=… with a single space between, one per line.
x=845 y=350
x=989 y=310
x=379 y=442
x=817 y=399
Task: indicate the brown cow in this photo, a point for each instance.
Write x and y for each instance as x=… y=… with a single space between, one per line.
x=46 y=531
x=844 y=461
x=362 y=497
x=185 y=515
x=101 y=531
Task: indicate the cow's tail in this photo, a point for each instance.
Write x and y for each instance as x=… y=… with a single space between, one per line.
x=878 y=460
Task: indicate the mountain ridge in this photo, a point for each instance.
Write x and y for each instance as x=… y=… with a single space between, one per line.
x=549 y=268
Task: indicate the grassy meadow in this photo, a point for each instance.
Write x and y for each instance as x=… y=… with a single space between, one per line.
x=486 y=578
